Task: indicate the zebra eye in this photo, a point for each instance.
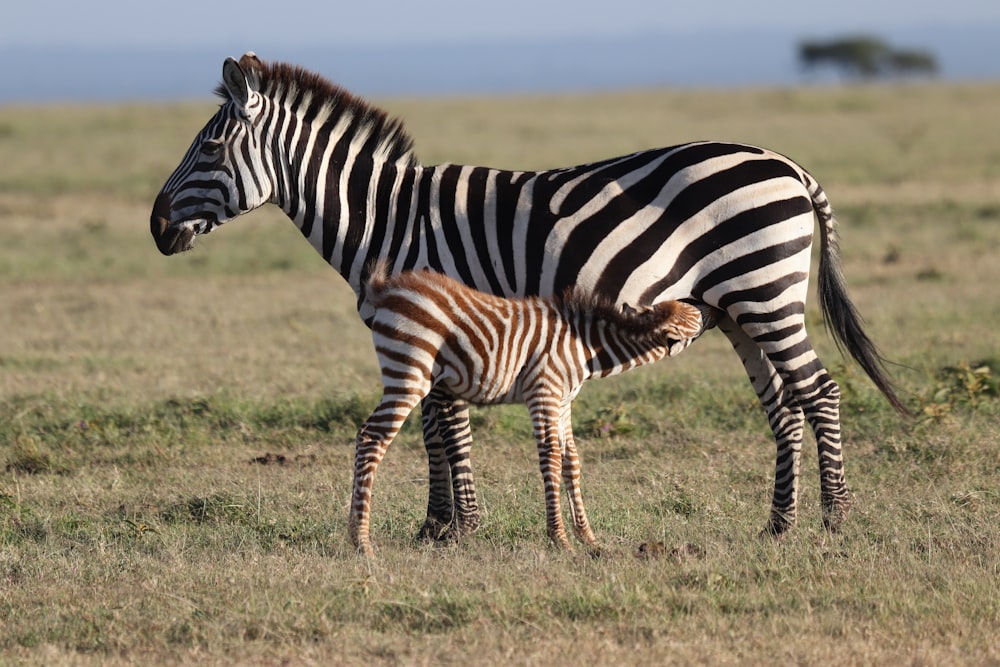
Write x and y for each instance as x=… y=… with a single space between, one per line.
x=211 y=147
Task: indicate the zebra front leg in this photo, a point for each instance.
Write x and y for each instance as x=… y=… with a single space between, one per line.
x=571 y=477
x=448 y=441
x=439 y=501
x=456 y=432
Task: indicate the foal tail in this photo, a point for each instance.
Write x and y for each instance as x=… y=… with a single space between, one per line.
x=840 y=314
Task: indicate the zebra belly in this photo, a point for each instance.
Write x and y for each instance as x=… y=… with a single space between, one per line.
x=480 y=394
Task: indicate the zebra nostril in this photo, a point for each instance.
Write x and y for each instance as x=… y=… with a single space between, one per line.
x=162 y=206
x=170 y=238
x=159 y=225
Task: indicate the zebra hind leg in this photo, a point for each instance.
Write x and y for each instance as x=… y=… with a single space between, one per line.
x=371 y=443
x=819 y=397
x=787 y=423
x=369 y=451
x=806 y=381
x=823 y=414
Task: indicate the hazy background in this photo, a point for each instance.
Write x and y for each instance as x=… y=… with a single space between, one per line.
x=121 y=50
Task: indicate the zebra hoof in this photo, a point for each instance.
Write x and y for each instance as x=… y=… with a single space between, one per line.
x=834 y=517
x=433 y=530
x=776 y=527
x=835 y=510
x=459 y=529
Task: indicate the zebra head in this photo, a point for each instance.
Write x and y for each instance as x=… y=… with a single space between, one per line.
x=222 y=174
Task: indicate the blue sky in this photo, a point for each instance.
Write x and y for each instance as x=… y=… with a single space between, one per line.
x=186 y=23
x=58 y=50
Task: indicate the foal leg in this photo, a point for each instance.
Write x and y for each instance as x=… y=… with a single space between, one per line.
x=371 y=443
x=571 y=477
x=544 y=411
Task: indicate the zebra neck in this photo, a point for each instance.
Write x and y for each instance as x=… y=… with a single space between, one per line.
x=613 y=351
x=353 y=212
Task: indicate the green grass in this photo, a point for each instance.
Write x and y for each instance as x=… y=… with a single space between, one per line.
x=176 y=433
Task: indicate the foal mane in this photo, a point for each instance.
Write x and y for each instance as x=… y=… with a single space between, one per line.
x=640 y=323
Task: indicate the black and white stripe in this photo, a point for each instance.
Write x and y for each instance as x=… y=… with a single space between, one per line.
x=726 y=225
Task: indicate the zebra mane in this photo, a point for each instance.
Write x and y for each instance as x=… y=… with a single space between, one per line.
x=276 y=79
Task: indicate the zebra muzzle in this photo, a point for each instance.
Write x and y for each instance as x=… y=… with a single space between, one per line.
x=170 y=239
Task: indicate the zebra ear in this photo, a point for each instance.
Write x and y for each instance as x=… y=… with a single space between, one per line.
x=236 y=82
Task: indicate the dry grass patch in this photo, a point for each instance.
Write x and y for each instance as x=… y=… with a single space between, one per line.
x=146 y=404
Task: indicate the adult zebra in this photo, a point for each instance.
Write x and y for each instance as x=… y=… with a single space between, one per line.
x=721 y=224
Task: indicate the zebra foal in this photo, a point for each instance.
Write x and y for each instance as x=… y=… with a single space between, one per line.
x=432 y=333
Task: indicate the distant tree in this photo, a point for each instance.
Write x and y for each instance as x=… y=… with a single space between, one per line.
x=865 y=57
x=856 y=57
x=910 y=62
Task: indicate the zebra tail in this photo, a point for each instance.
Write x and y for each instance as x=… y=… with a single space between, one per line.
x=841 y=316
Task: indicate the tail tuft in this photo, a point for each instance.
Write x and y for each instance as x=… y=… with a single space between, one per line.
x=378 y=276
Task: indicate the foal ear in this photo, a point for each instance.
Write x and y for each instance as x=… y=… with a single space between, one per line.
x=236 y=83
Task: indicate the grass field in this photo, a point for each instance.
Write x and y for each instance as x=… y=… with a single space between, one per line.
x=142 y=520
